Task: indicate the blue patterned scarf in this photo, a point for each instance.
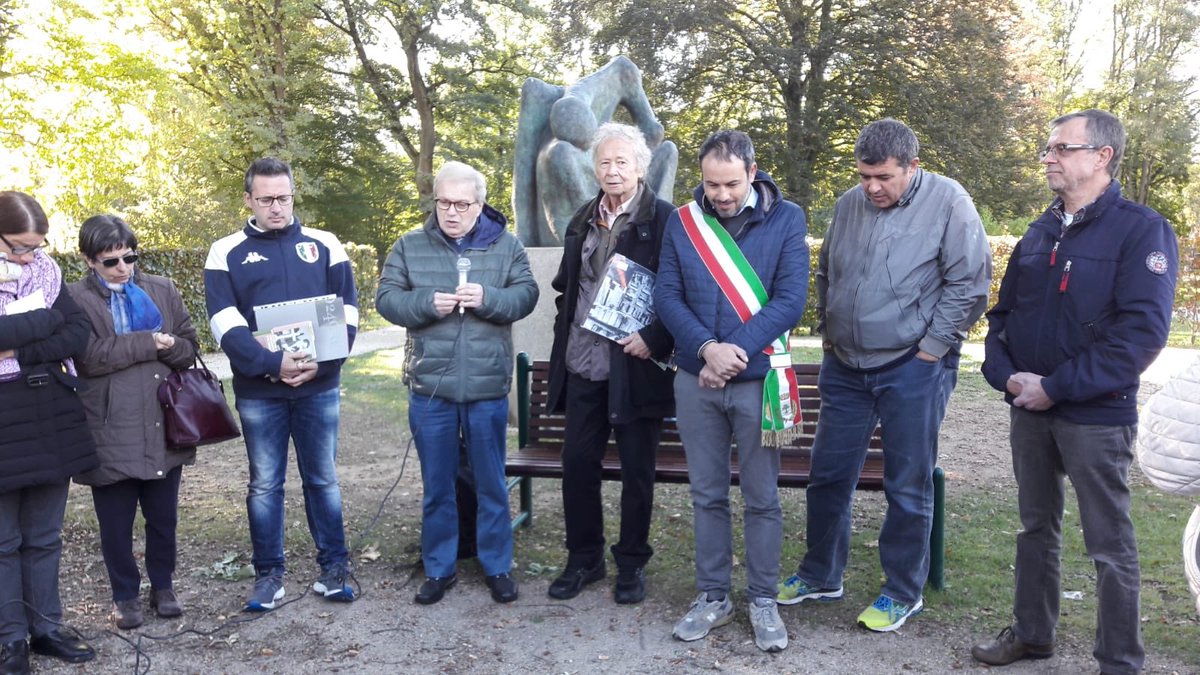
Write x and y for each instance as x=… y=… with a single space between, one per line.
x=132 y=310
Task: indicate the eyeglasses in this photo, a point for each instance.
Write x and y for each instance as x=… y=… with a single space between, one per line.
x=21 y=250
x=283 y=200
x=1060 y=149
x=128 y=259
x=461 y=207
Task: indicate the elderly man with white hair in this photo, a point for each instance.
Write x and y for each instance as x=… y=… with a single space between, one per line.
x=458 y=366
x=610 y=384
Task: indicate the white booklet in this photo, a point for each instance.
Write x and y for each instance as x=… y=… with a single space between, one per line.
x=326 y=314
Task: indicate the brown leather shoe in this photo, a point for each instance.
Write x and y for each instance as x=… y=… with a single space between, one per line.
x=164 y=603
x=128 y=613
x=1008 y=648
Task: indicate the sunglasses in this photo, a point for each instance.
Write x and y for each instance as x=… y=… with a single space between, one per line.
x=128 y=259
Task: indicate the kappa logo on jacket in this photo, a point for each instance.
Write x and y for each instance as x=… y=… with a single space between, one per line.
x=308 y=252
x=253 y=257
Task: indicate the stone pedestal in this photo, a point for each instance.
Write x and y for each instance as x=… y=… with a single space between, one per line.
x=535 y=333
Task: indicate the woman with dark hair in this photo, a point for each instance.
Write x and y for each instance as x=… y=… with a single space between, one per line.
x=140 y=332
x=44 y=437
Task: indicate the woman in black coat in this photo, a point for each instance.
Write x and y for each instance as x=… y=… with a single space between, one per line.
x=44 y=438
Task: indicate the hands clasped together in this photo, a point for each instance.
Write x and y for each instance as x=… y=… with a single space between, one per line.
x=722 y=362
x=1027 y=388
x=468 y=295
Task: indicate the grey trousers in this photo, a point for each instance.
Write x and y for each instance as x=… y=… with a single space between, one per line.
x=1096 y=459
x=709 y=420
x=31 y=522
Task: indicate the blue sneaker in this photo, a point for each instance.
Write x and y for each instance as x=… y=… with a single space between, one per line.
x=795 y=590
x=332 y=583
x=888 y=614
x=268 y=590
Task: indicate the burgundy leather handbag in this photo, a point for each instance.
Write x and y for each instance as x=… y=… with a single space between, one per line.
x=194 y=408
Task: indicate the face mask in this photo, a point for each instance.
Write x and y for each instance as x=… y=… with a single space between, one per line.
x=9 y=271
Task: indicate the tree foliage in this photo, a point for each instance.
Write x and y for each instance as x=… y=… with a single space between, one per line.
x=153 y=108
x=261 y=80
x=803 y=76
x=1147 y=89
x=452 y=89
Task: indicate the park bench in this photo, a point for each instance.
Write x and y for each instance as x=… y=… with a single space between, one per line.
x=540 y=441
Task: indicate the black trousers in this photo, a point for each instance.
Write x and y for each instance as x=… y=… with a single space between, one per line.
x=116 y=505
x=587 y=433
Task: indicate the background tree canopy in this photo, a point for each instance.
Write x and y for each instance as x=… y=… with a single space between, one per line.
x=153 y=108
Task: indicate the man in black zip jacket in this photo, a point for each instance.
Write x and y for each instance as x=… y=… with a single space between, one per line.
x=610 y=384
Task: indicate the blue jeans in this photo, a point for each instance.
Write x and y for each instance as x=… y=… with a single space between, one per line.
x=908 y=401
x=437 y=425
x=312 y=424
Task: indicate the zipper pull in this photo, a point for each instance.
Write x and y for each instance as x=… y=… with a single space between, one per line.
x=1054 y=253
x=1066 y=278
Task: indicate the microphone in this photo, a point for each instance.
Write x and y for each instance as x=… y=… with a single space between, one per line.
x=464 y=266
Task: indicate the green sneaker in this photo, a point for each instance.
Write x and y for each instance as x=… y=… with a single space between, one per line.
x=795 y=589
x=887 y=614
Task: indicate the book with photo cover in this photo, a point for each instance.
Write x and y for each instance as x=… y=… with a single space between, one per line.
x=624 y=301
x=292 y=337
x=325 y=313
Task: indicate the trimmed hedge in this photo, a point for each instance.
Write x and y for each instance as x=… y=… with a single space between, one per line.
x=186 y=268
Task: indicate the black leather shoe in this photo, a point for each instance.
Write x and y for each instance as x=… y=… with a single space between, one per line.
x=14 y=658
x=504 y=588
x=1008 y=648
x=61 y=645
x=434 y=588
x=631 y=586
x=573 y=579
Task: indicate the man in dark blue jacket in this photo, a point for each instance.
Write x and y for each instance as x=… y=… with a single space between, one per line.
x=281 y=394
x=1084 y=308
x=732 y=282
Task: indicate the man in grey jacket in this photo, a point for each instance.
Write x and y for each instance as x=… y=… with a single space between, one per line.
x=903 y=273
x=458 y=366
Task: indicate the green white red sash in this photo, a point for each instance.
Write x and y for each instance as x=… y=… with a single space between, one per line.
x=745 y=292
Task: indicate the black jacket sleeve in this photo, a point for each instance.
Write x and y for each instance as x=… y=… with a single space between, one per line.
x=69 y=339
x=19 y=330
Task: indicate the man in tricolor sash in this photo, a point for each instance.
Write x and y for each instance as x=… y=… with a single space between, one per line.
x=903 y=272
x=732 y=283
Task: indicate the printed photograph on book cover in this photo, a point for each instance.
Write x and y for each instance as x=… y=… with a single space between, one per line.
x=624 y=300
x=293 y=337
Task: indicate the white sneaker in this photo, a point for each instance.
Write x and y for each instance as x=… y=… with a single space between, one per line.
x=769 y=632
x=703 y=617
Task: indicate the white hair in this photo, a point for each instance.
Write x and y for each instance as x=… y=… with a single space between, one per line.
x=454 y=172
x=632 y=135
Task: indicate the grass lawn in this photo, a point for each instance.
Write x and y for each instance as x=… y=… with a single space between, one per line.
x=981 y=524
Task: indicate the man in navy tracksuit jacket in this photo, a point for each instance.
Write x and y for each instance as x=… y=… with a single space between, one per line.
x=1084 y=308
x=283 y=394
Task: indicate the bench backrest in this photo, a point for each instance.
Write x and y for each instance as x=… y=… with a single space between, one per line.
x=540 y=427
